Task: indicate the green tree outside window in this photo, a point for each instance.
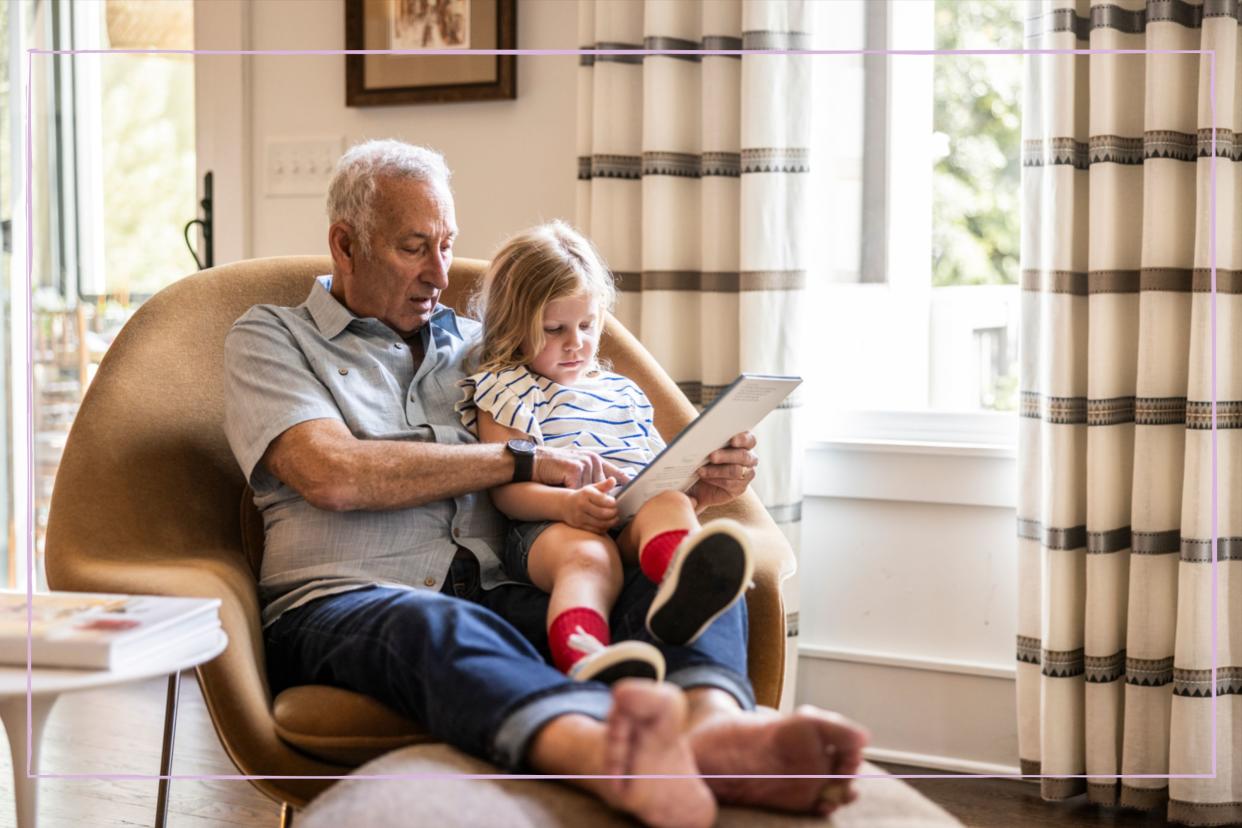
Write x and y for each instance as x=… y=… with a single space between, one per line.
x=977 y=134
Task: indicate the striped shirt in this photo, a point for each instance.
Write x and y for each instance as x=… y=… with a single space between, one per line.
x=604 y=412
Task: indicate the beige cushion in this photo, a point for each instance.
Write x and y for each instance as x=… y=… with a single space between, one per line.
x=515 y=803
x=341 y=726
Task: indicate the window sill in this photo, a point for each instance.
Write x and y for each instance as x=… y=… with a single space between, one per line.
x=950 y=473
x=941 y=448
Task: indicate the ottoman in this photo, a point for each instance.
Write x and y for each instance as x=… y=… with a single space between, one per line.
x=524 y=803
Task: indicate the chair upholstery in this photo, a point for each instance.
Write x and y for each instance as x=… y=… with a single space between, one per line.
x=147 y=501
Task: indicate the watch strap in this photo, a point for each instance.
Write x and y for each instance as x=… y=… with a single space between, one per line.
x=523 y=460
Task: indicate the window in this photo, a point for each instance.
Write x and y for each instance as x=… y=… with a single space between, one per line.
x=916 y=173
x=21 y=27
x=113 y=179
x=10 y=150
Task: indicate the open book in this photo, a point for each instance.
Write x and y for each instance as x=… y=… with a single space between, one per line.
x=740 y=407
x=94 y=630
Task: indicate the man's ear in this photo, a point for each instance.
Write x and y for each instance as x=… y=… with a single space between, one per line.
x=342 y=245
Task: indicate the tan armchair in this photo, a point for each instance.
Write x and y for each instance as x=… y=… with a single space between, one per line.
x=149 y=499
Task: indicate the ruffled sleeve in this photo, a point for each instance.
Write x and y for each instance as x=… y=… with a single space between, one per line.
x=510 y=396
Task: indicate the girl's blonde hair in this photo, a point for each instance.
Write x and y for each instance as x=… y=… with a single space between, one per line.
x=535 y=267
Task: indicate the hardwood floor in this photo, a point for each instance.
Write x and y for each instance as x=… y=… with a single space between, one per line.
x=119 y=730
x=989 y=803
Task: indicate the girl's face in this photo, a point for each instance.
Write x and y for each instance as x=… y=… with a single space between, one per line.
x=571 y=329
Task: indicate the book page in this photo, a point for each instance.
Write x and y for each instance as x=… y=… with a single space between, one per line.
x=740 y=407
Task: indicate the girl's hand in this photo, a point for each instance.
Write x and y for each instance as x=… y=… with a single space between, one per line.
x=591 y=508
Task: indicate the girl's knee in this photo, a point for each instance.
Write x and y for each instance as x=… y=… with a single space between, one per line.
x=595 y=555
x=670 y=499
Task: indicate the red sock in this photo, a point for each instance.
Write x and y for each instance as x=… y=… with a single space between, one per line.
x=654 y=558
x=565 y=625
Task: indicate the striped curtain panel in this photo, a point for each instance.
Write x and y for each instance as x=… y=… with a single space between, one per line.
x=692 y=181
x=1117 y=449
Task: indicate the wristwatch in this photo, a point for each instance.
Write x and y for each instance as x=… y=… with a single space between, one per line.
x=523 y=452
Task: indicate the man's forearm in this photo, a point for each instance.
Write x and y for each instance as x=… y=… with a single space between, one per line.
x=386 y=474
x=322 y=461
x=337 y=472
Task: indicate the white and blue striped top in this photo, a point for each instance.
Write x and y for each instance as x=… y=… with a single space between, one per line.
x=604 y=412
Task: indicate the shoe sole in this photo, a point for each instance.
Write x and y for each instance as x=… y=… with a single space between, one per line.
x=625 y=659
x=702 y=583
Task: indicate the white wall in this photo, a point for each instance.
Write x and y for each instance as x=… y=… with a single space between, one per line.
x=514 y=161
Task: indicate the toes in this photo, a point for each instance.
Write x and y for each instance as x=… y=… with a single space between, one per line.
x=617 y=746
x=845 y=735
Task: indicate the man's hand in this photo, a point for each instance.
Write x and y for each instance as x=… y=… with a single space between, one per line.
x=727 y=473
x=574 y=468
x=592 y=507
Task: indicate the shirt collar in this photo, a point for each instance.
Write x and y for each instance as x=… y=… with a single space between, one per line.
x=331 y=317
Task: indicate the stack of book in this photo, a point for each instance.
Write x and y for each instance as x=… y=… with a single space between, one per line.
x=104 y=632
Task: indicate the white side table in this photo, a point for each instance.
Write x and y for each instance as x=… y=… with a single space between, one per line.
x=46 y=685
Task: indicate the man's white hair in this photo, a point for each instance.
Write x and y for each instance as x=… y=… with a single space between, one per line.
x=352 y=191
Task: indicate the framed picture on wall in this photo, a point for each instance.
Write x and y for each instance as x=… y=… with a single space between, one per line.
x=381 y=80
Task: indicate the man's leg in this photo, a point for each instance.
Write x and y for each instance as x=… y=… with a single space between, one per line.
x=449 y=664
x=728 y=736
x=476 y=683
x=644 y=736
x=716 y=660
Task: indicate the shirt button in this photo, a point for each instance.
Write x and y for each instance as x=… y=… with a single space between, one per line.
x=457 y=533
x=397 y=346
x=343 y=371
x=429 y=581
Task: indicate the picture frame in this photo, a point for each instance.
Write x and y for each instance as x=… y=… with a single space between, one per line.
x=387 y=80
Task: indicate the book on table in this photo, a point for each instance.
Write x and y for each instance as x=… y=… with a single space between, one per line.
x=101 y=631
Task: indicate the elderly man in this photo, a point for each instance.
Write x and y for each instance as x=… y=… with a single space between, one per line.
x=381 y=571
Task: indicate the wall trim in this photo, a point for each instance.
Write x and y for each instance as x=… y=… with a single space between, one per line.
x=944 y=763
x=934 y=665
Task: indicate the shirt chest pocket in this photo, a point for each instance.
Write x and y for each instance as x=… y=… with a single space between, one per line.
x=368 y=397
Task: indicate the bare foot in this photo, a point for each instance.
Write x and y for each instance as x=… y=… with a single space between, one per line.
x=645 y=736
x=808 y=742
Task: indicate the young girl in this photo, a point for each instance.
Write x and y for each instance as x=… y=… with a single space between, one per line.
x=542 y=304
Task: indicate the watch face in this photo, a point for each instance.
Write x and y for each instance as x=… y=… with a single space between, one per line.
x=522 y=446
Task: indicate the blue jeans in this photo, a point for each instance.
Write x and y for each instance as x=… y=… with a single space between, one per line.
x=471 y=665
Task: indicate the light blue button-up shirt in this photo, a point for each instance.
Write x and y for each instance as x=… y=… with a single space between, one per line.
x=285 y=366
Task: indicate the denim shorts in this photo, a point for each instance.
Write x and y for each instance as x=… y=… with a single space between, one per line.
x=521 y=538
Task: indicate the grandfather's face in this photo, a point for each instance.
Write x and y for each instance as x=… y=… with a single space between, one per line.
x=400 y=279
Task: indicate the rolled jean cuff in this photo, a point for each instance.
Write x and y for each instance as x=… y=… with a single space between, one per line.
x=714 y=675
x=514 y=736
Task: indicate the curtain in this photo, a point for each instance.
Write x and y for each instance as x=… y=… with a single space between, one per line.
x=692 y=182
x=1117 y=449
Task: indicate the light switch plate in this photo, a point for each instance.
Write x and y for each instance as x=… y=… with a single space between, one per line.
x=300 y=166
